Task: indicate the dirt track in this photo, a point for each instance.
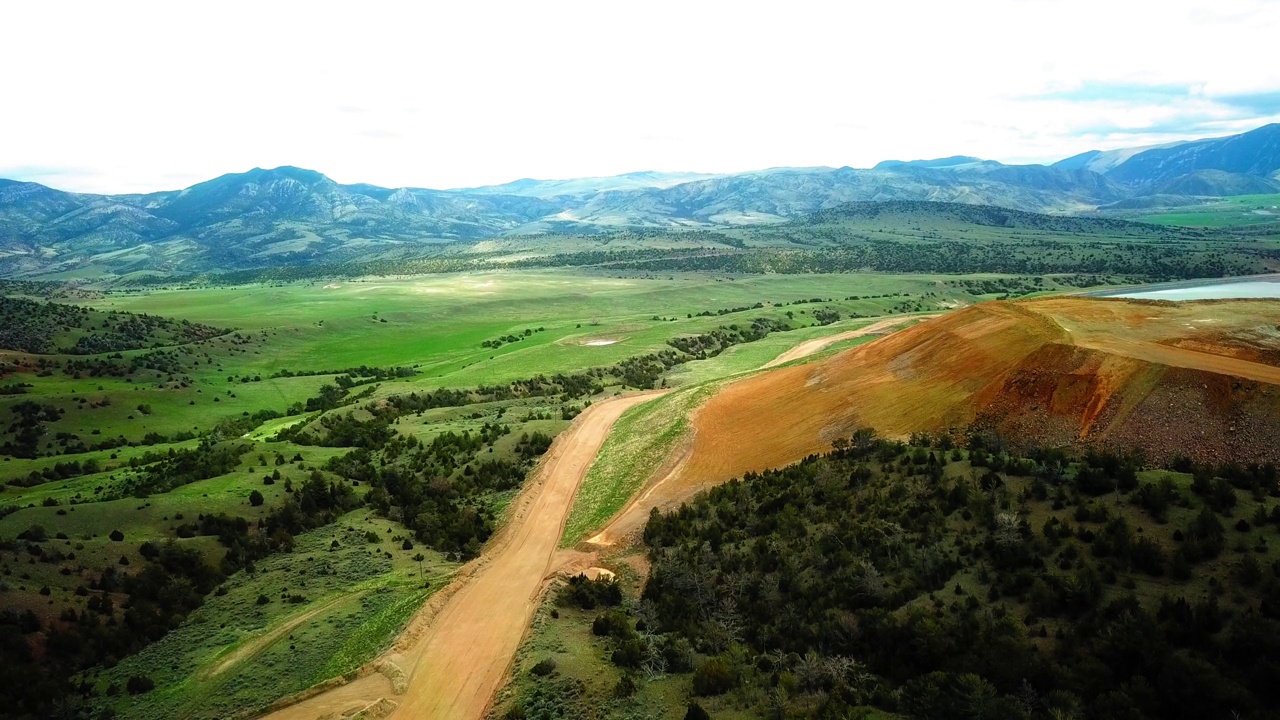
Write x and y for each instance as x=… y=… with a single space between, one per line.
x=809 y=347
x=259 y=644
x=462 y=657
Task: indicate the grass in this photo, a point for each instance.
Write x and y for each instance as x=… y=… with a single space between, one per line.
x=640 y=441
x=371 y=637
x=436 y=324
x=358 y=600
x=1243 y=210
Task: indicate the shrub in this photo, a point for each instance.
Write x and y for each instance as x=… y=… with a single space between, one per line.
x=35 y=533
x=255 y=498
x=714 y=677
x=626 y=686
x=588 y=594
x=695 y=712
x=116 y=536
x=544 y=667
x=139 y=684
x=611 y=624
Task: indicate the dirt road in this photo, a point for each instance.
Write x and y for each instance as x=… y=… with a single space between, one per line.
x=454 y=666
x=462 y=658
x=809 y=347
x=259 y=644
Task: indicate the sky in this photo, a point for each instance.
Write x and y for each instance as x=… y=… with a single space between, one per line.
x=135 y=97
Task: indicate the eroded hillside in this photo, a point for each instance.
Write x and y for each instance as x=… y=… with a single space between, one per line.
x=1196 y=379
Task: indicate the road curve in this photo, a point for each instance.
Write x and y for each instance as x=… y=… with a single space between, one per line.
x=461 y=659
x=457 y=665
x=809 y=347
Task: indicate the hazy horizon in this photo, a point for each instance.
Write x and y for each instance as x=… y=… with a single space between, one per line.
x=453 y=96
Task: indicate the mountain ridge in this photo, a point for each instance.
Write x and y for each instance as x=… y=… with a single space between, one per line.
x=271 y=216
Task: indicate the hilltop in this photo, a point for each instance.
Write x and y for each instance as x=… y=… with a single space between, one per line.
x=293 y=216
x=1194 y=379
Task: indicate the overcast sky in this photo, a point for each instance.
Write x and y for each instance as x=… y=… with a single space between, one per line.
x=129 y=97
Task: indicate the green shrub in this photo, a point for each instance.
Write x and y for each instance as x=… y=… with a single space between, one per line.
x=139 y=684
x=589 y=594
x=695 y=712
x=714 y=677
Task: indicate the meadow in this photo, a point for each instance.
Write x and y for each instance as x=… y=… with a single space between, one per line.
x=1239 y=211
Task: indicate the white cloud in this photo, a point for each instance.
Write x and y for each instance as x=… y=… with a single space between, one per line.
x=148 y=96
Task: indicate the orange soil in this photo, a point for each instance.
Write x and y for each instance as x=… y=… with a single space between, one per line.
x=673 y=483
x=458 y=660
x=809 y=347
x=1055 y=371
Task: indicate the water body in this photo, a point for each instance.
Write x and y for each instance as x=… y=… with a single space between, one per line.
x=1258 y=286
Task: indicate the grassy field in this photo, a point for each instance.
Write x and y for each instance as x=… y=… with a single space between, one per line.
x=1243 y=210
x=436 y=324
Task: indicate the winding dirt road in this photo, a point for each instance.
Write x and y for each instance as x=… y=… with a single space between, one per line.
x=456 y=654
x=462 y=657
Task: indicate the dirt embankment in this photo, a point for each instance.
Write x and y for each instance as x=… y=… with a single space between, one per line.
x=1170 y=378
x=705 y=459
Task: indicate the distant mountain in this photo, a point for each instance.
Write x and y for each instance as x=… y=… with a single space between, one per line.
x=1100 y=161
x=1216 y=183
x=1254 y=153
x=588 y=186
x=953 y=162
x=261 y=217
x=778 y=195
x=288 y=215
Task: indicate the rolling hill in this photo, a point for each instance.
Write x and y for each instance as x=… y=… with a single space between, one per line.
x=256 y=218
x=293 y=216
x=1196 y=379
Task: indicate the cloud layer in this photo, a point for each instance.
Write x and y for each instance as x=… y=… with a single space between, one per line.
x=139 y=97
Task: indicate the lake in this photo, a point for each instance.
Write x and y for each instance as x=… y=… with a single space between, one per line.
x=1258 y=286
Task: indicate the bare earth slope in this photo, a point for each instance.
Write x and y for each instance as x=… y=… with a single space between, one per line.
x=1194 y=378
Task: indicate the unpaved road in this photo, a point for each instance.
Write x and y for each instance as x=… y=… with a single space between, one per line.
x=462 y=658
x=809 y=347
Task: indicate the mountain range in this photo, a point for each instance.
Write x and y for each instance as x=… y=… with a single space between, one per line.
x=290 y=215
